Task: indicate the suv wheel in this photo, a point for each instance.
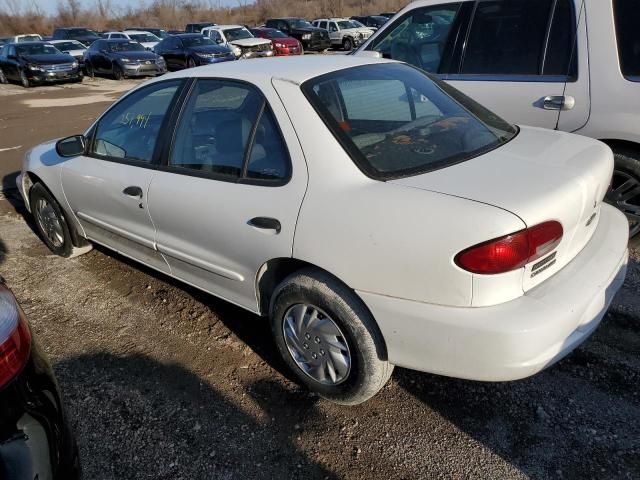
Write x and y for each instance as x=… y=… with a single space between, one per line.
x=328 y=338
x=347 y=44
x=26 y=83
x=625 y=190
x=118 y=74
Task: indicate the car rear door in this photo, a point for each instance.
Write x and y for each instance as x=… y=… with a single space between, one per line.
x=228 y=198
x=108 y=187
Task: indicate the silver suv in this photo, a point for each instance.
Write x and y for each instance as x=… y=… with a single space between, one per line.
x=571 y=65
x=344 y=32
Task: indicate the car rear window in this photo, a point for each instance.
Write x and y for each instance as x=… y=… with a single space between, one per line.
x=396 y=121
x=627 y=18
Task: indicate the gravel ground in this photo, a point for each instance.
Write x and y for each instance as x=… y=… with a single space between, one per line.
x=164 y=382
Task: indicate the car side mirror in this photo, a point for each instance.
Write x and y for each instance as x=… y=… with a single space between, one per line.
x=71 y=146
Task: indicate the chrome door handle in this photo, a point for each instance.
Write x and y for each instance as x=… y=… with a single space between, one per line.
x=558 y=102
x=265 y=223
x=133 y=191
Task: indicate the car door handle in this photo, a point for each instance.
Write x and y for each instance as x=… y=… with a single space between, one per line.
x=133 y=191
x=559 y=102
x=265 y=223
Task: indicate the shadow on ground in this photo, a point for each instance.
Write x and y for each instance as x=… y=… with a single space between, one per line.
x=127 y=409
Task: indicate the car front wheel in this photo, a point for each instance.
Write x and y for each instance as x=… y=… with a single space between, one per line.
x=328 y=338
x=191 y=63
x=347 y=44
x=625 y=190
x=50 y=221
x=118 y=74
x=26 y=83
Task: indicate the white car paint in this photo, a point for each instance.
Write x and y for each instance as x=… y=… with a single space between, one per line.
x=241 y=47
x=337 y=34
x=77 y=52
x=392 y=242
x=27 y=37
x=131 y=35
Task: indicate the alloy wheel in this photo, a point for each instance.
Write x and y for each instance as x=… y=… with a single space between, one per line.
x=625 y=195
x=316 y=344
x=49 y=222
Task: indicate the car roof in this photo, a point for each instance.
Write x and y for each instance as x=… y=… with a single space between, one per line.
x=297 y=69
x=135 y=31
x=62 y=41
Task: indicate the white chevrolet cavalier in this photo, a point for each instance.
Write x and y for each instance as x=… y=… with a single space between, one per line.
x=377 y=216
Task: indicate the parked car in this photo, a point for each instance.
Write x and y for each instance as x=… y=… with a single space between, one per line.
x=343 y=32
x=240 y=40
x=71 y=47
x=158 y=32
x=197 y=27
x=146 y=39
x=122 y=59
x=387 y=14
x=323 y=165
x=28 y=37
x=175 y=32
x=283 y=45
x=191 y=50
x=371 y=21
x=83 y=35
x=36 y=441
x=312 y=38
x=5 y=40
x=577 y=72
x=33 y=63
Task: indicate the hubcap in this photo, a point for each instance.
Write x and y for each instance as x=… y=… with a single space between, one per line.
x=625 y=195
x=316 y=344
x=49 y=222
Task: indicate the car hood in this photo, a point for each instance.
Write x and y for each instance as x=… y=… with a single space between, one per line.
x=49 y=59
x=208 y=49
x=540 y=175
x=250 y=42
x=135 y=55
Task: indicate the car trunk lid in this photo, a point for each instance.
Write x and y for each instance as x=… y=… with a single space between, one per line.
x=540 y=175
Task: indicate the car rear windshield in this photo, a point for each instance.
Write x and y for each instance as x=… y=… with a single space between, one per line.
x=396 y=121
x=627 y=17
x=83 y=31
x=29 y=38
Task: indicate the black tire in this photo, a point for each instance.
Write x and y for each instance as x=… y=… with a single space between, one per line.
x=118 y=74
x=369 y=369
x=347 y=44
x=3 y=78
x=40 y=194
x=626 y=181
x=191 y=63
x=88 y=68
x=26 y=83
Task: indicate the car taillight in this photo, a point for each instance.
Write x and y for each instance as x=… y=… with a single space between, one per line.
x=511 y=252
x=15 y=343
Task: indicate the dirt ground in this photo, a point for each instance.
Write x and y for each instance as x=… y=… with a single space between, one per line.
x=164 y=382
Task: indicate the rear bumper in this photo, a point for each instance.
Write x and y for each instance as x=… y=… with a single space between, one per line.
x=516 y=339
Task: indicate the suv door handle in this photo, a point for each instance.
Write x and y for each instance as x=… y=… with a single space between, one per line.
x=133 y=191
x=265 y=223
x=558 y=102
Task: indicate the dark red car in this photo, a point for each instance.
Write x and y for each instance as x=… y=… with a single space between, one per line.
x=282 y=44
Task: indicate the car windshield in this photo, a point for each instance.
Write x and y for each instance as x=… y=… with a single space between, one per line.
x=275 y=34
x=344 y=24
x=29 y=38
x=143 y=37
x=394 y=120
x=233 y=34
x=379 y=20
x=69 y=46
x=37 y=49
x=197 y=41
x=83 y=31
x=299 y=23
x=125 y=47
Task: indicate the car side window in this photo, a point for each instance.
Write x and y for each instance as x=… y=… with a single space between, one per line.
x=509 y=38
x=419 y=37
x=228 y=131
x=627 y=16
x=130 y=130
x=333 y=27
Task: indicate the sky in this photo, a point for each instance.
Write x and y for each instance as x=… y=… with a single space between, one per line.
x=50 y=6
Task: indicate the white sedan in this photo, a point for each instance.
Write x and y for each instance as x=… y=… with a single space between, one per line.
x=378 y=217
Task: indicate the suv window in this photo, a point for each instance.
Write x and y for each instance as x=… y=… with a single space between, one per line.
x=420 y=37
x=390 y=134
x=129 y=131
x=509 y=38
x=220 y=132
x=627 y=18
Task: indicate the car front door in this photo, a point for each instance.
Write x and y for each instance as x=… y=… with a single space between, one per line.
x=11 y=70
x=228 y=197
x=108 y=187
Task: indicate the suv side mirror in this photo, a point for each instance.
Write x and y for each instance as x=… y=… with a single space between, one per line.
x=71 y=146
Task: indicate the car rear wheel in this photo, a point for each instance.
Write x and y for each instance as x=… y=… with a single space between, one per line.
x=347 y=44
x=26 y=83
x=118 y=74
x=328 y=338
x=625 y=191
x=191 y=63
x=3 y=78
x=50 y=221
